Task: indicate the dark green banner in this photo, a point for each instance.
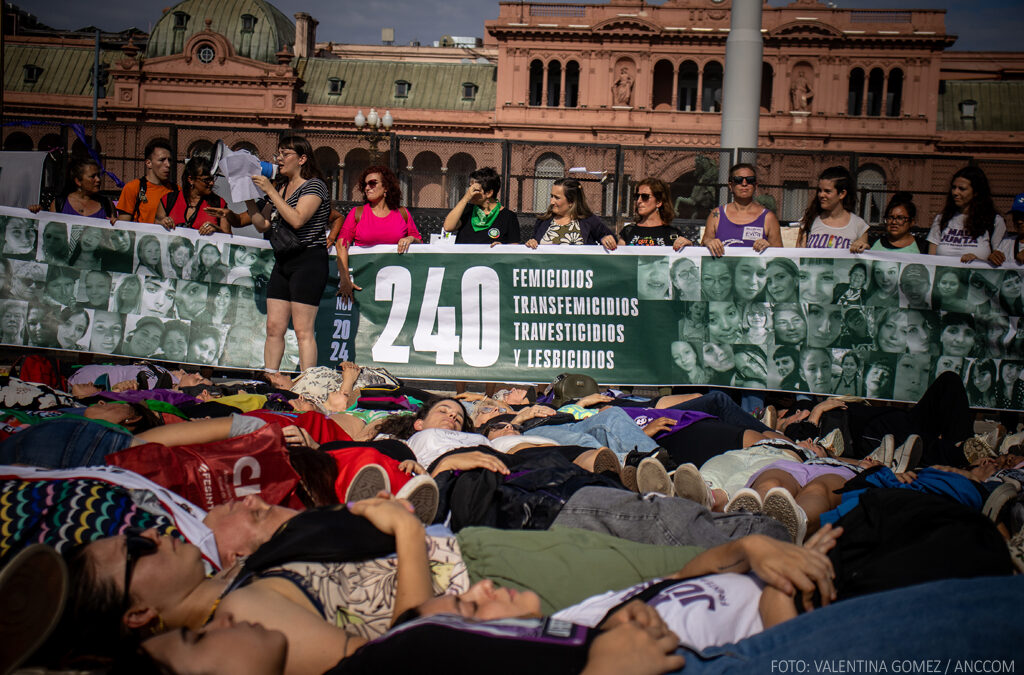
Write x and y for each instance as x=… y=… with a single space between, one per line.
x=881 y=325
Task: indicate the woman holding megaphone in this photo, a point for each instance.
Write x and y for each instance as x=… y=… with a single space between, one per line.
x=295 y=221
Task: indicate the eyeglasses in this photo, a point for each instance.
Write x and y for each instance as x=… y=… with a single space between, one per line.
x=285 y=153
x=743 y=180
x=642 y=196
x=505 y=425
x=136 y=546
x=897 y=220
x=370 y=184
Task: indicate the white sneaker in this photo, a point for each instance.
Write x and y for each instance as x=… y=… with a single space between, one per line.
x=781 y=506
x=689 y=484
x=908 y=455
x=421 y=492
x=651 y=476
x=885 y=451
x=367 y=482
x=745 y=499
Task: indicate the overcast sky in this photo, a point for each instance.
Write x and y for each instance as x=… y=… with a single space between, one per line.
x=981 y=24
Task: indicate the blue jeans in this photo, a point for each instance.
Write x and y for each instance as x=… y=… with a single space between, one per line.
x=664 y=521
x=722 y=406
x=951 y=621
x=612 y=428
x=62 y=444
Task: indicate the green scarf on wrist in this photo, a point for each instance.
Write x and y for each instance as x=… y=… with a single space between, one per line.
x=481 y=222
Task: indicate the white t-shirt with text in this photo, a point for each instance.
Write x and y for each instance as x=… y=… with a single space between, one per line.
x=954 y=240
x=826 y=236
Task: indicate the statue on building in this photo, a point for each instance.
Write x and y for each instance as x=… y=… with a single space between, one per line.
x=800 y=92
x=702 y=197
x=622 y=90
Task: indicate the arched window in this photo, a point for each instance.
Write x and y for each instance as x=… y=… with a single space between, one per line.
x=50 y=142
x=426 y=181
x=200 y=148
x=870 y=193
x=767 y=81
x=356 y=160
x=329 y=163
x=711 y=92
x=247 y=146
x=572 y=84
x=554 y=84
x=876 y=83
x=548 y=168
x=688 y=77
x=536 y=82
x=661 y=86
x=855 y=97
x=18 y=141
x=80 y=149
x=459 y=167
x=894 y=93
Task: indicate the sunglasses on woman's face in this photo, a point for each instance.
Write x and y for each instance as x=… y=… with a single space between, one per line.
x=743 y=180
x=642 y=196
x=370 y=184
x=136 y=546
x=205 y=179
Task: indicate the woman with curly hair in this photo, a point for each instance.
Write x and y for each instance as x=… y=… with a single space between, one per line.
x=968 y=226
x=380 y=220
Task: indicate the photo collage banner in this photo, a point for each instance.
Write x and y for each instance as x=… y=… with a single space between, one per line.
x=137 y=291
x=880 y=325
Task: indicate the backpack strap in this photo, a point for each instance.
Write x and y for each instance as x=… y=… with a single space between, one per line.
x=139 y=199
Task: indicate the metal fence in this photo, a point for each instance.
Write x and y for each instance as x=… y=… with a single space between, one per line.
x=433 y=171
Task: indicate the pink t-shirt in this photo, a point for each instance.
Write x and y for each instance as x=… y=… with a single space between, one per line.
x=372 y=230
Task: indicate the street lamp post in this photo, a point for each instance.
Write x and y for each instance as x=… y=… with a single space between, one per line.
x=376 y=128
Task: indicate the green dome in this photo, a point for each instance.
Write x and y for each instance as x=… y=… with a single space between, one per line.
x=255 y=28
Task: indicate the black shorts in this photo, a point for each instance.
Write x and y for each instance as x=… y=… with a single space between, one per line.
x=300 y=277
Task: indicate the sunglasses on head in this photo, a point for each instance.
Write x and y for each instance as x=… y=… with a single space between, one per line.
x=136 y=546
x=370 y=184
x=743 y=180
x=642 y=196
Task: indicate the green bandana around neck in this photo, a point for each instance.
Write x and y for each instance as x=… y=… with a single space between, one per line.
x=479 y=222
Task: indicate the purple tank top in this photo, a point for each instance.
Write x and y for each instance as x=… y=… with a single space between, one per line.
x=731 y=234
x=70 y=210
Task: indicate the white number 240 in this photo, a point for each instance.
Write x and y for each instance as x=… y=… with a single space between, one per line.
x=481 y=317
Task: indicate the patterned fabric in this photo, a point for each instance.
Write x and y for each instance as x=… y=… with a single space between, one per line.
x=360 y=596
x=564 y=234
x=62 y=513
x=31 y=396
x=317 y=383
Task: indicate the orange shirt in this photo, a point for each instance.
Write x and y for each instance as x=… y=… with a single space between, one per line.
x=147 y=210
